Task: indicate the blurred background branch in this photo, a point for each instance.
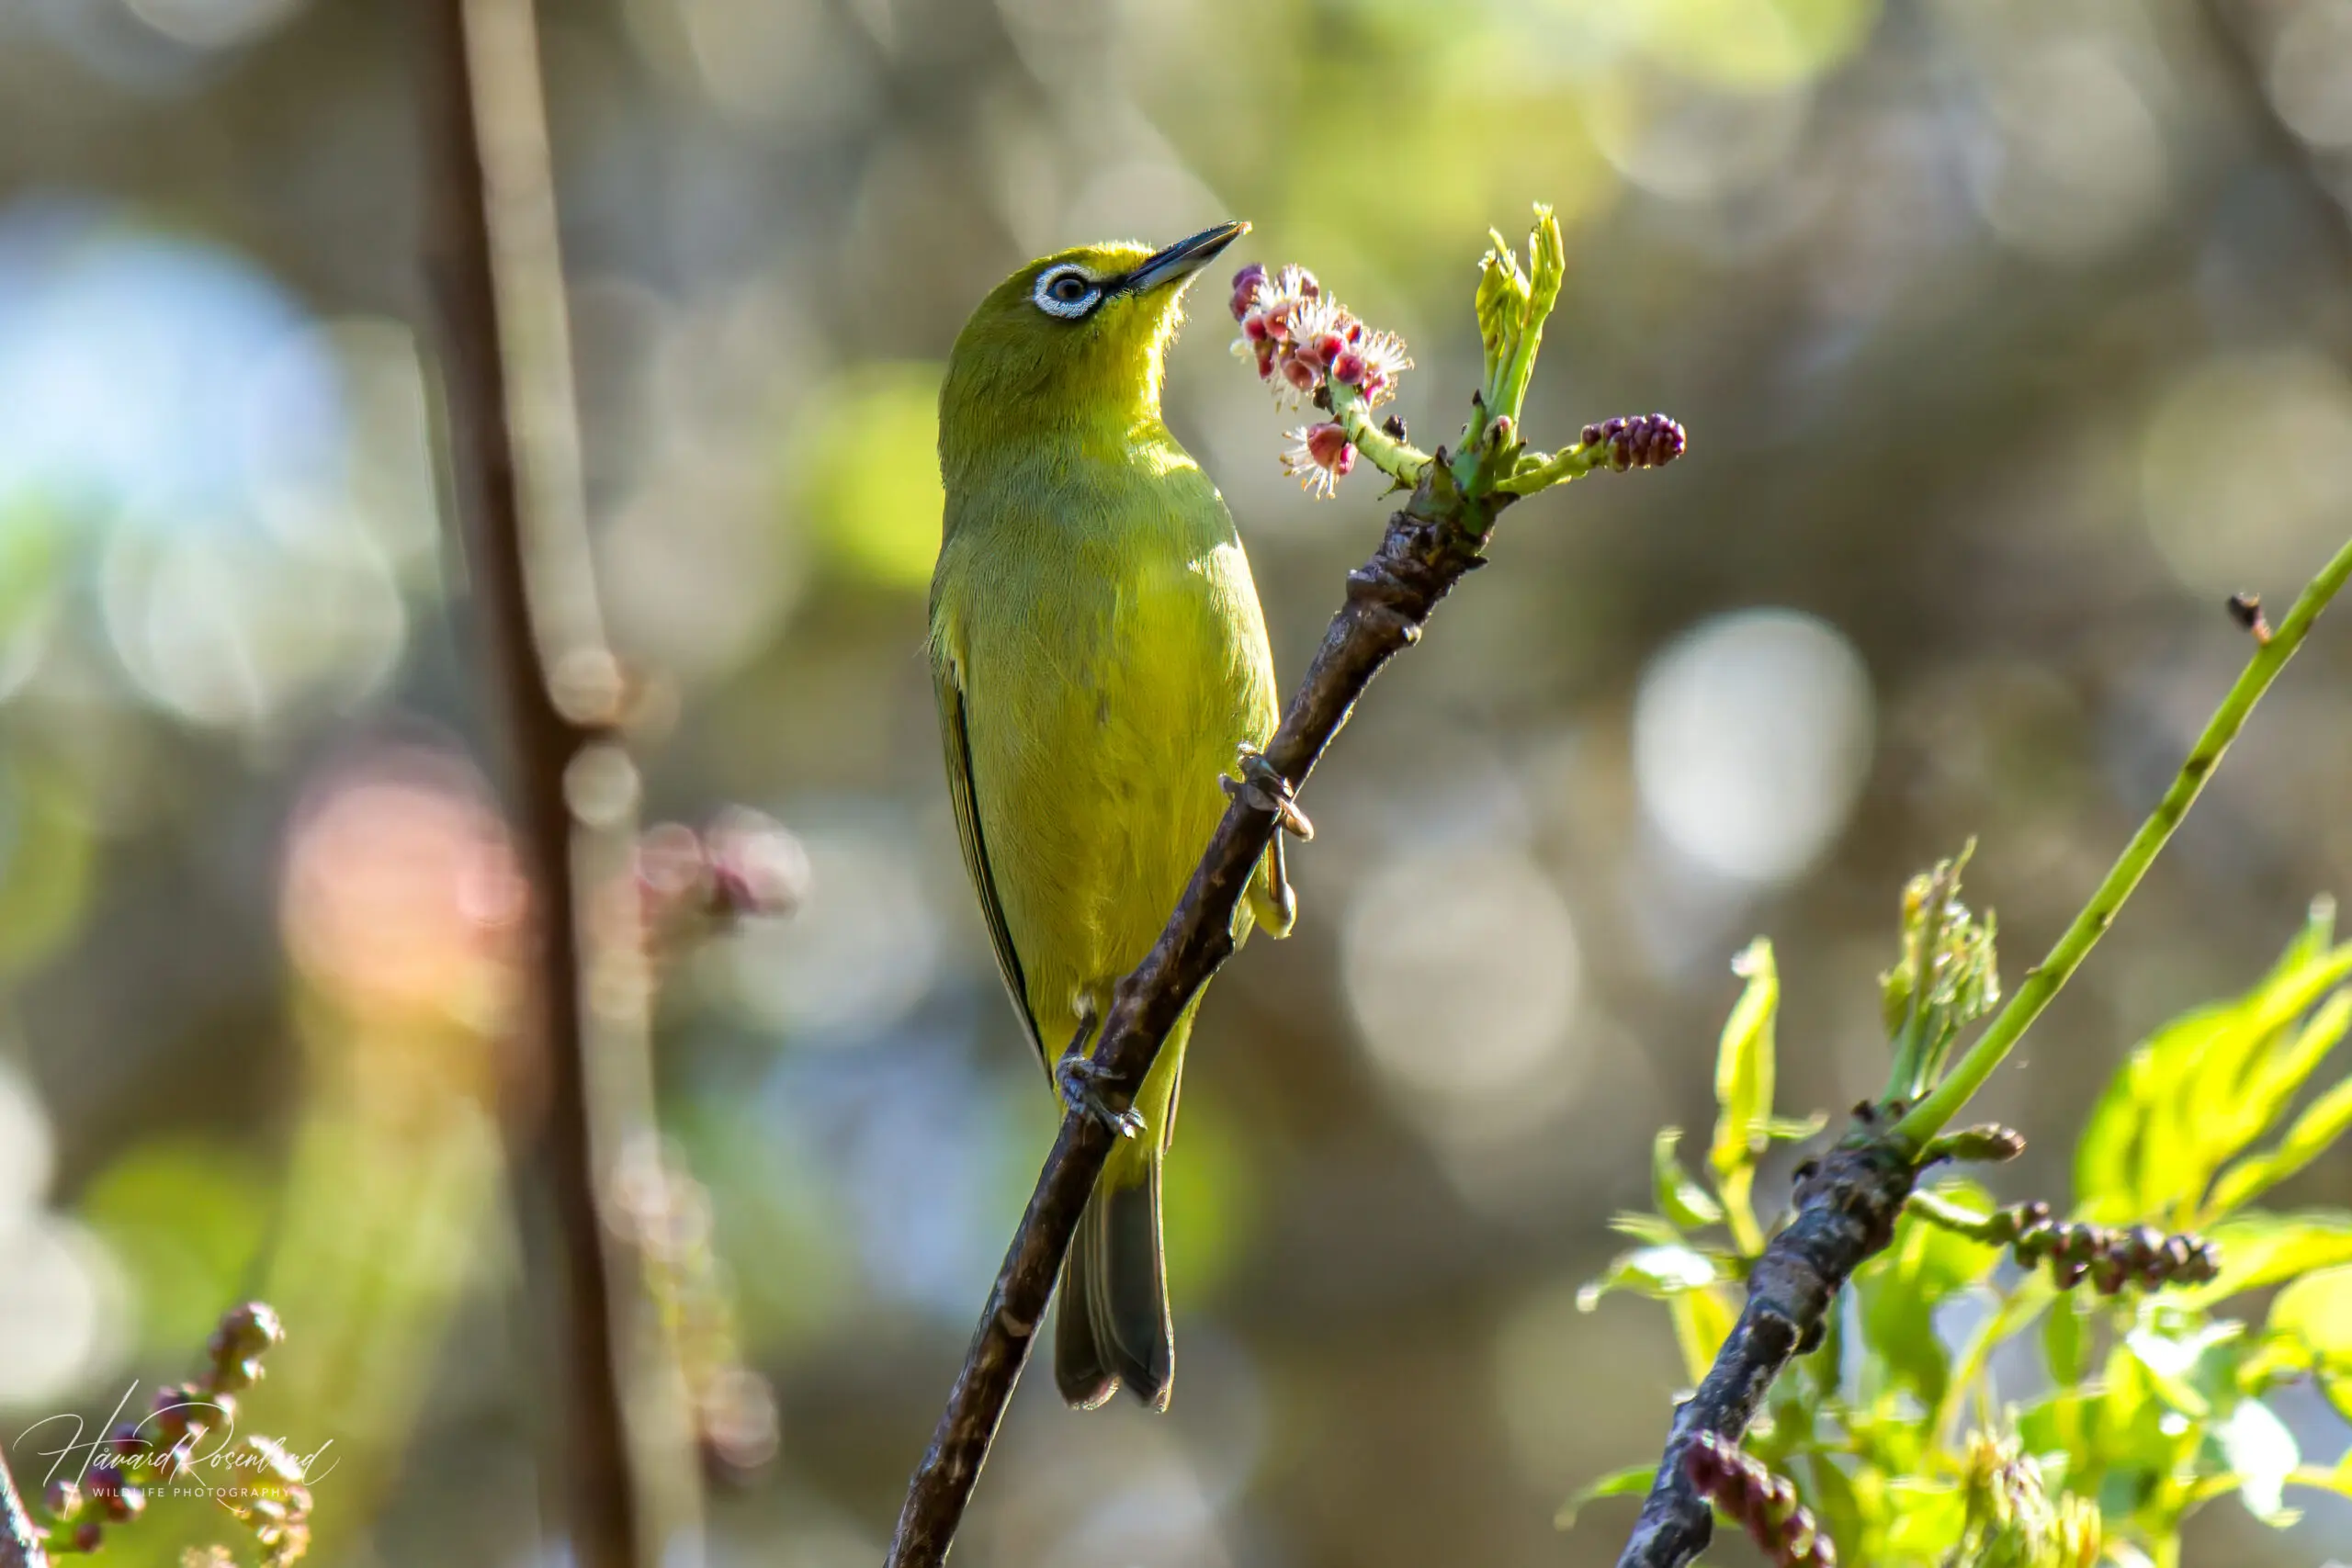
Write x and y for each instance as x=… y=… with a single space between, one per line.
x=490 y=239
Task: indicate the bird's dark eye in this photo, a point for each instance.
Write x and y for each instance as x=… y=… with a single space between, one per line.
x=1068 y=292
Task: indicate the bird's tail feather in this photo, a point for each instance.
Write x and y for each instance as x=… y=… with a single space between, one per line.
x=1115 y=1326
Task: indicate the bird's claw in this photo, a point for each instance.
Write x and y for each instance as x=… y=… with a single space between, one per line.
x=1080 y=1082
x=1263 y=785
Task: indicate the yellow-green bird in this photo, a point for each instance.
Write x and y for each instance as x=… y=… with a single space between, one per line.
x=1099 y=656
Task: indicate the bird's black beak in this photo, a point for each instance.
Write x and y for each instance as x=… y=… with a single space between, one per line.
x=1182 y=259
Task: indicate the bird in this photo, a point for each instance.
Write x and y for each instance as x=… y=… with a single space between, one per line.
x=1100 y=657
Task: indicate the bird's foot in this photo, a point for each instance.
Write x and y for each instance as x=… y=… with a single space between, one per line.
x=1263 y=785
x=1080 y=1082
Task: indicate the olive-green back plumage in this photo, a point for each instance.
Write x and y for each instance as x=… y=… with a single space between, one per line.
x=1099 y=654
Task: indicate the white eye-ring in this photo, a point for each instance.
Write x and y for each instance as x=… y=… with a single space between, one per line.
x=1066 y=291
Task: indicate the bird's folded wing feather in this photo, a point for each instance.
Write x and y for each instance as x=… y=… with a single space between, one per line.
x=958 y=740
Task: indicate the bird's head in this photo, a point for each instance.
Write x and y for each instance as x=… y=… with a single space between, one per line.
x=1071 y=339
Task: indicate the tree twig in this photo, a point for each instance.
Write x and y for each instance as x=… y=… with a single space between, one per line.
x=2044 y=980
x=1845 y=1211
x=1430 y=543
x=20 y=1540
x=553 y=1157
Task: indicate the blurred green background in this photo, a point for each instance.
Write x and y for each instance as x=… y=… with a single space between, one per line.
x=2011 y=337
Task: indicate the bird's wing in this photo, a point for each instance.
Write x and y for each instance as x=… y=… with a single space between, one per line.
x=958 y=740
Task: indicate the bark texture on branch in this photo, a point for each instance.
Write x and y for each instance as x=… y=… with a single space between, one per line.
x=1845 y=1212
x=20 y=1540
x=1430 y=543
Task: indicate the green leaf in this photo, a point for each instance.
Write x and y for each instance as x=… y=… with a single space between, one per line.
x=1680 y=1197
x=2260 y=1453
x=2107 y=1156
x=2338 y=1479
x=1702 y=1321
x=1659 y=1272
x=1744 y=1068
x=2259 y=1249
x=2317 y=1310
x=2185 y=1368
x=2313 y=1131
x=1743 y=1061
x=2065 y=1342
x=1634 y=1481
x=1927 y=1518
x=1650 y=1228
x=2243 y=1078
x=2285 y=1072
x=2204 y=1086
x=1899 y=1289
x=2068 y=1424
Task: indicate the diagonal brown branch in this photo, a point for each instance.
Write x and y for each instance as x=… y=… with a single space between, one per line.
x=1430 y=543
x=1845 y=1212
x=19 y=1538
x=552 y=1145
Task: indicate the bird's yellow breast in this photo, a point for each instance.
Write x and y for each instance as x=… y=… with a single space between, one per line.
x=1099 y=624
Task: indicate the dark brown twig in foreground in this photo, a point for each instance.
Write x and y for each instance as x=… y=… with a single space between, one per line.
x=551 y=1152
x=1845 y=1211
x=19 y=1539
x=1430 y=543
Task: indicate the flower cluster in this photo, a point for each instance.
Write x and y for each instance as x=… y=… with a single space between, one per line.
x=1303 y=342
x=1747 y=1493
x=1641 y=441
x=2111 y=1258
x=270 y=1500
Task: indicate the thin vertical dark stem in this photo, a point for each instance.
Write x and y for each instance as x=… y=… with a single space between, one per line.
x=552 y=1142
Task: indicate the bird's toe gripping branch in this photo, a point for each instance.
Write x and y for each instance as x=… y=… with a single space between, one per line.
x=1084 y=1088
x=1262 y=787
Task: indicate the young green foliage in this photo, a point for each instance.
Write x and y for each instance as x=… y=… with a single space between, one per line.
x=2105 y=1420
x=1946 y=977
x=1745 y=1063
x=2174 y=1140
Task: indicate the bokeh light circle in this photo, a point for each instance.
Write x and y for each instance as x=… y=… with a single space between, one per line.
x=1752 y=735
x=2245 y=470
x=1462 y=974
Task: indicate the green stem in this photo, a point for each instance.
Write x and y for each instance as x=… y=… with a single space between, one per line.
x=2030 y=1300
x=1945 y=1215
x=1399 y=460
x=2046 y=978
x=1574 y=463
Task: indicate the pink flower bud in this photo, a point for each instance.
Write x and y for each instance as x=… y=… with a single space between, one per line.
x=1328 y=444
x=1245 y=288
